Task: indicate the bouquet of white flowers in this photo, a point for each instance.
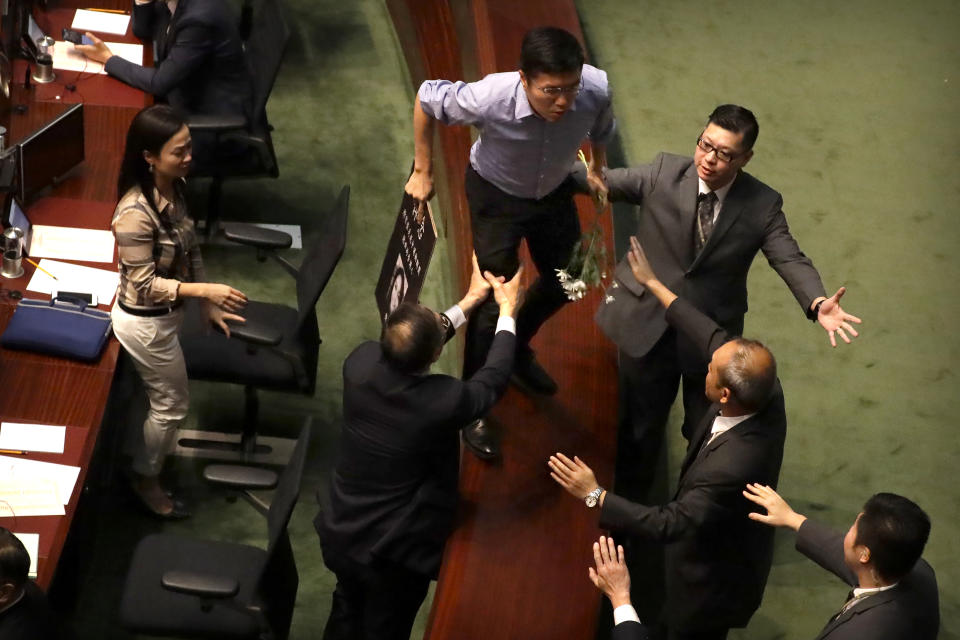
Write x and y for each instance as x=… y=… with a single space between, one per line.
x=588 y=260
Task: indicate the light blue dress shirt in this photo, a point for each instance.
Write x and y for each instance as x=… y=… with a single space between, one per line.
x=518 y=151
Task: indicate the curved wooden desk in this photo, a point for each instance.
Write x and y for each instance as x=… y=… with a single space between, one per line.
x=46 y=390
x=516 y=567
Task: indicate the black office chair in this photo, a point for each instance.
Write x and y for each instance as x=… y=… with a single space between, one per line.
x=244 y=147
x=277 y=348
x=188 y=588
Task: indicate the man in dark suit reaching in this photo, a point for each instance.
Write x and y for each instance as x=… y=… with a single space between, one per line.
x=895 y=593
x=393 y=494
x=703 y=221
x=717 y=559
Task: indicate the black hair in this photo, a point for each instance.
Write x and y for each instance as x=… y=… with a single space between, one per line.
x=737 y=119
x=550 y=50
x=748 y=374
x=151 y=128
x=411 y=338
x=14 y=559
x=895 y=530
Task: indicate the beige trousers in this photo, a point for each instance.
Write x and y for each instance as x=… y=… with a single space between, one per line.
x=155 y=349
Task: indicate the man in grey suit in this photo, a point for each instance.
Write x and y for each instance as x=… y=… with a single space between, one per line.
x=702 y=223
x=895 y=593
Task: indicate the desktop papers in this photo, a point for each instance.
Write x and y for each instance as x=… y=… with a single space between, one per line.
x=100 y=21
x=70 y=243
x=32 y=542
x=67 y=58
x=32 y=437
x=33 y=497
x=73 y=277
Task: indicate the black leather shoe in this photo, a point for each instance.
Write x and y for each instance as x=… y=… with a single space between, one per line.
x=480 y=440
x=531 y=377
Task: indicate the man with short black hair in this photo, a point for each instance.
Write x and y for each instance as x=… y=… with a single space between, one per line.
x=717 y=560
x=531 y=124
x=895 y=593
x=703 y=221
x=393 y=494
x=24 y=612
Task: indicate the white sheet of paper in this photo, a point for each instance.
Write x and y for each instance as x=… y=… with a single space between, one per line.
x=100 y=21
x=32 y=437
x=70 y=243
x=30 y=472
x=29 y=497
x=32 y=542
x=73 y=277
x=67 y=58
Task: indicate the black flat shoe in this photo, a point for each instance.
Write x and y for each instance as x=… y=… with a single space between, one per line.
x=480 y=440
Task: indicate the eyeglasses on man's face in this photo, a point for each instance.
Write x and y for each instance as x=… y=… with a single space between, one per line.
x=555 y=92
x=723 y=155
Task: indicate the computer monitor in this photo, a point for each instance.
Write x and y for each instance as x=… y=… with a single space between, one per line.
x=48 y=153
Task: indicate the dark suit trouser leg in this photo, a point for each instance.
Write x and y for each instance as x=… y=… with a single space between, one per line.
x=648 y=387
x=374 y=603
x=499 y=222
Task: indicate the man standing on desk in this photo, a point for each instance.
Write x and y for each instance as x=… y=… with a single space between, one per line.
x=532 y=122
x=200 y=65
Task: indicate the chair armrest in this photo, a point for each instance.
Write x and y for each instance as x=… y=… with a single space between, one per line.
x=214 y=122
x=204 y=585
x=240 y=477
x=254 y=236
x=254 y=334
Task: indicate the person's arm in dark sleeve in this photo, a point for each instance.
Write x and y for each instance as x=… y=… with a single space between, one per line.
x=189 y=50
x=824 y=546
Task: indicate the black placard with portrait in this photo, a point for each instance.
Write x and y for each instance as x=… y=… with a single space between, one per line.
x=408 y=257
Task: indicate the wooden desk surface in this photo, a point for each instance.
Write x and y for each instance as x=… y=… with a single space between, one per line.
x=41 y=389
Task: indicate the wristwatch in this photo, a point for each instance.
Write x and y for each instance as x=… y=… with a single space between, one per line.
x=593 y=497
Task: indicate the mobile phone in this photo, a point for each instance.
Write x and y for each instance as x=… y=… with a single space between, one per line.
x=89 y=298
x=71 y=35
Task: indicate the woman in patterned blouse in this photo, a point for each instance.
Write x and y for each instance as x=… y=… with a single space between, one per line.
x=160 y=265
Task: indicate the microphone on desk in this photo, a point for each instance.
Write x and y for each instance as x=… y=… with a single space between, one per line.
x=26 y=78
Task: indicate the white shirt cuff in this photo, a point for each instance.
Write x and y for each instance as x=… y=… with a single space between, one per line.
x=625 y=613
x=455 y=313
x=507 y=323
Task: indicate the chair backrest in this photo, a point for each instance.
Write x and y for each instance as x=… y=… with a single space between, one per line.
x=279 y=580
x=265 y=47
x=321 y=260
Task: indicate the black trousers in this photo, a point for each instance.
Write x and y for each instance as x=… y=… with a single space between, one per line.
x=373 y=602
x=648 y=387
x=500 y=221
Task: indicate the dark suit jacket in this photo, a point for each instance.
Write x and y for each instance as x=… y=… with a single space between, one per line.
x=908 y=611
x=715 y=280
x=200 y=68
x=629 y=630
x=717 y=559
x=29 y=619
x=393 y=494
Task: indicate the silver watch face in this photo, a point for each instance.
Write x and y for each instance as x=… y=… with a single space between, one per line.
x=591 y=500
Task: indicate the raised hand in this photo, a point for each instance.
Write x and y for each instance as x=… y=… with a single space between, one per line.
x=835 y=320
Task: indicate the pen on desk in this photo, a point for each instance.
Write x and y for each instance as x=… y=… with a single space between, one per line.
x=105 y=10
x=42 y=269
x=13 y=452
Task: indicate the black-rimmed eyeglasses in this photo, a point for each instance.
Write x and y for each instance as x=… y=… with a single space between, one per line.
x=725 y=156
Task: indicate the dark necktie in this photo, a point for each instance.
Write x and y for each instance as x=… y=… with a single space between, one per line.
x=705 y=204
